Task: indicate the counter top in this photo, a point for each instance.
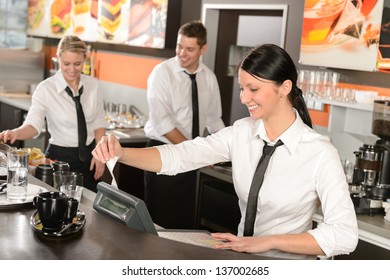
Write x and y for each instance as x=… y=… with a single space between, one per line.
x=19 y=100
x=128 y=135
x=125 y=136
x=373 y=229
x=102 y=238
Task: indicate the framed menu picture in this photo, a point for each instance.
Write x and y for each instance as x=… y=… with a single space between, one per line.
x=128 y=22
x=383 y=63
x=341 y=33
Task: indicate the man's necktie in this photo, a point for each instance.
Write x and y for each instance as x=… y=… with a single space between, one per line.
x=81 y=125
x=195 y=106
x=257 y=181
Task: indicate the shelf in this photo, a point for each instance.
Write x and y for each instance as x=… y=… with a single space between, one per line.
x=352 y=118
x=352 y=105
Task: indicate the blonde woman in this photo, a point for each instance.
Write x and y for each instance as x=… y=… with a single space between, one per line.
x=55 y=99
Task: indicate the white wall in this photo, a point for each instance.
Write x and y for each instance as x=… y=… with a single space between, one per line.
x=117 y=93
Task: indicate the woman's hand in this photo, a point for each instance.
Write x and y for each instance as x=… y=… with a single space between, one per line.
x=99 y=168
x=10 y=135
x=250 y=244
x=107 y=148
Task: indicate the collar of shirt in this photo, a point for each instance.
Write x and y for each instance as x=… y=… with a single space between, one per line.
x=290 y=137
x=177 y=68
x=61 y=83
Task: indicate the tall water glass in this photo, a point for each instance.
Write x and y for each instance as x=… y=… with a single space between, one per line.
x=17 y=175
x=73 y=185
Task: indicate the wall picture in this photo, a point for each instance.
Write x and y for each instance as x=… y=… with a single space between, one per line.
x=341 y=33
x=383 y=63
x=129 y=22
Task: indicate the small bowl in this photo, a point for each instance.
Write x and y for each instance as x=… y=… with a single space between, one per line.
x=365 y=96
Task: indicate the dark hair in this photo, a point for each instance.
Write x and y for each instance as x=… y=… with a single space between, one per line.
x=194 y=29
x=271 y=62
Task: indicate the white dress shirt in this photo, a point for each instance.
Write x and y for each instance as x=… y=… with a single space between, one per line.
x=170 y=101
x=51 y=101
x=303 y=174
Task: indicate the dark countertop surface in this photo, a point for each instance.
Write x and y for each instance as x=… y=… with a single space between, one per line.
x=102 y=238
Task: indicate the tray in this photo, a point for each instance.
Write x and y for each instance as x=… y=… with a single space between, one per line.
x=32 y=190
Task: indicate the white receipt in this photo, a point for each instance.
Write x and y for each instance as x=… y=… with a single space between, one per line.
x=110 y=165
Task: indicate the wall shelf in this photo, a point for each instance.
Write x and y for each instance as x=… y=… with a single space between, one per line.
x=353 y=118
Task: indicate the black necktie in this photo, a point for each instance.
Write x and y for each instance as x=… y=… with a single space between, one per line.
x=195 y=106
x=81 y=125
x=257 y=181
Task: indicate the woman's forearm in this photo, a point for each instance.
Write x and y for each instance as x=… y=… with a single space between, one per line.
x=99 y=133
x=148 y=159
x=25 y=132
x=303 y=243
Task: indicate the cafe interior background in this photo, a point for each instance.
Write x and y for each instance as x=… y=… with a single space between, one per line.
x=345 y=61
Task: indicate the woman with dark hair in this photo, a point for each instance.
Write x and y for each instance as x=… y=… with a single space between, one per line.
x=304 y=170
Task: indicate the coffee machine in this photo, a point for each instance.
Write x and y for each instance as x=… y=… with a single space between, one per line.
x=371 y=177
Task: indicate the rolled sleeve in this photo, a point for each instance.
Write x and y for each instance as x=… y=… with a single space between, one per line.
x=338 y=234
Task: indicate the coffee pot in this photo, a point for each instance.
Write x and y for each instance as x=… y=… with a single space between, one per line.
x=371 y=177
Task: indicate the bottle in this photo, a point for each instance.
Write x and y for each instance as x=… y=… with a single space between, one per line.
x=87 y=62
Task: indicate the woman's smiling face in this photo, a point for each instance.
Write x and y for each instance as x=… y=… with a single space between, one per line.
x=71 y=65
x=259 y=95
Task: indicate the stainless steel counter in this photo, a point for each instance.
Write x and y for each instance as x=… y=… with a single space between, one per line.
x=125 y=136
x=129 y=135
x=18 y=100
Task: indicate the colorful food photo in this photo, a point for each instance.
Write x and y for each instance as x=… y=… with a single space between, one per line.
x=339 y=30
x=60 y=17
x=37 y=17
x=130 y=22
x=148 y=23
x=383 y=63
x=113 y=18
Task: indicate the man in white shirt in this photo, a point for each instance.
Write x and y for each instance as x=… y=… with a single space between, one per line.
x=171 y=200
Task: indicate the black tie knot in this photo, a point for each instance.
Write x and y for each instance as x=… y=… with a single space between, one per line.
x=269 y=150
x=70 y=93
x=192 y=76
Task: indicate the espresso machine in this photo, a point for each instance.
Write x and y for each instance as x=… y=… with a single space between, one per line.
x=371 y=177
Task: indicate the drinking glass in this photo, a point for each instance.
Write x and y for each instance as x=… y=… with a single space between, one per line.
x=60 y=178
x=73 y=185
x=122 y=113
x=17 y=175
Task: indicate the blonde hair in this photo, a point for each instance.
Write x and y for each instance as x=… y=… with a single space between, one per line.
x=73 y=44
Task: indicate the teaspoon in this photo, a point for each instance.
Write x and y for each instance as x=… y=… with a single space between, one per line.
x=3 y=186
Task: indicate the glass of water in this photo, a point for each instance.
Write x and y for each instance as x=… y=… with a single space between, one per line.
x=17 y=175
x=72 y=185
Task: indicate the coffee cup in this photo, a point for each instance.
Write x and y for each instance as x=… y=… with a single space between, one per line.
x=55 y=209
x=73 y=205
